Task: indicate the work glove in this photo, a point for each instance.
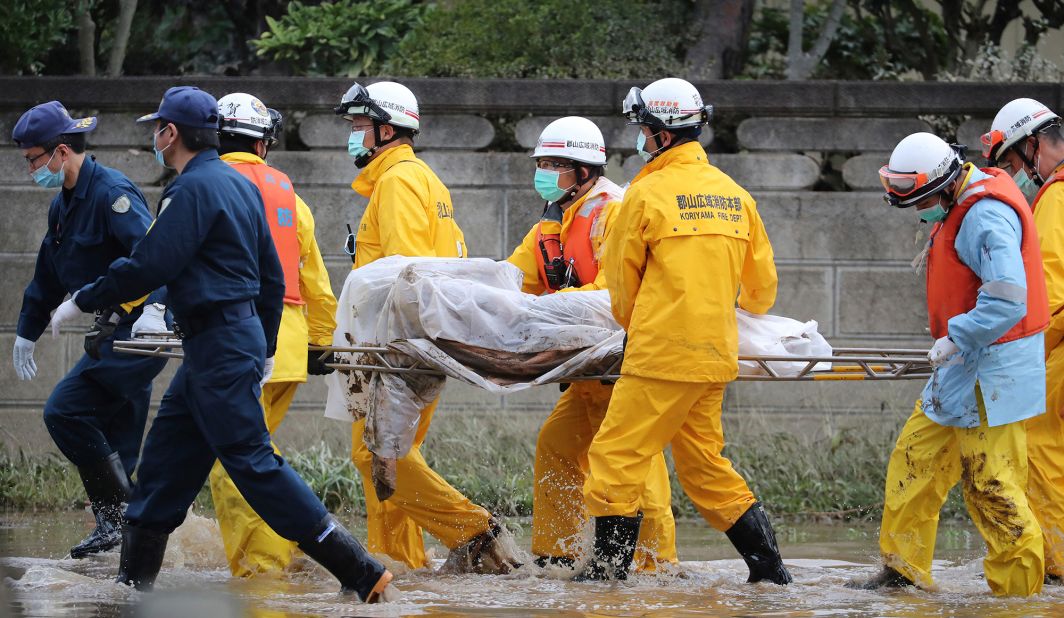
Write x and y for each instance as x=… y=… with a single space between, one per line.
x=317 y=367
x=65 y=313
x=267 y=371
x=25 y=366
x=103 y=330
x=943 y=351
x=151 y=322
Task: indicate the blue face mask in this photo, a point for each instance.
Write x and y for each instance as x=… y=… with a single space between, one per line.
x=354 y=144
x=1027 y=186
x=46 y=177
x=546 y=183
x=159 y=153
x=640 y=142
x=934 y=214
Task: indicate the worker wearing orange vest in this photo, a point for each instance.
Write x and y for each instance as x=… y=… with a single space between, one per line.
x=562 y=253
x=986 y=300
x=1026 y=141
x=410 y=213
x=248 y=129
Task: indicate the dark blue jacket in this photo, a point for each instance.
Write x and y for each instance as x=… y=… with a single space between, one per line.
x=94 y=224
x=210 y=246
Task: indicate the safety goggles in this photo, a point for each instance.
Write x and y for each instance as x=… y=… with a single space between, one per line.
x=991 y=141
x=635 y=110
x=276 y=126
x=357 y=102
x=901 y=185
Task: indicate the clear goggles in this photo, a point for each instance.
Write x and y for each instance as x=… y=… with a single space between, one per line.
x=357 y=102
x=991 y=142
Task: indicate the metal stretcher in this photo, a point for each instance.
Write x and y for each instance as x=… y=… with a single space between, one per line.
x=846 y=363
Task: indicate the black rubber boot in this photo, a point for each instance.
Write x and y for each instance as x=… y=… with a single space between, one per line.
x=887 y=578
x=334 y=548
x=108 y=489
x=558 y=561
x=142 y=556
x=753 y=537
x=615 y=538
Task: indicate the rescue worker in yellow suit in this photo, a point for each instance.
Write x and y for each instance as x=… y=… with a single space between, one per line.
x=986 y=303
x=687 y=242
x=1026 y=142
x=582 y=205
x=247 y=131
x=409 y=213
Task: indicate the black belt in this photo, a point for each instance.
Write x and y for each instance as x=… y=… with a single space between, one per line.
x=187 y=326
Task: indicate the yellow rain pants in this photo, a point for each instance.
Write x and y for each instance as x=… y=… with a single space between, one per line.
x=423 y=501
x=647 y=414
x=1045 y=461
x=251 y=546
x=558 y=513
x=991 y=462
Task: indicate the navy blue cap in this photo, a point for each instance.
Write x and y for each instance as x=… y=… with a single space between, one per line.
x=188 y=106
x=47 y=121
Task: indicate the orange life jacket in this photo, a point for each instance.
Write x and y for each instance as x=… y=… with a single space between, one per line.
x=1057 y=175
x=952 y=287
x=577 y=246
x=280 y=200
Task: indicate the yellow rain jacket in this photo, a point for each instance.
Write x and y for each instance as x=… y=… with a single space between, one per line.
x=394 y=182
x=251 y=546
x=1045 y=433
x=673 y=292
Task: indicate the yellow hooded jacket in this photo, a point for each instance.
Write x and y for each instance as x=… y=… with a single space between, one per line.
x=313 y=322
x=409 y=213
x=687 y=241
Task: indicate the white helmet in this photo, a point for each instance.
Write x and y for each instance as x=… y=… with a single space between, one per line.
x=669 y=103
x=572 y=138
x=244 y=114
x=386 y=102
x=921 y=165
x=1019 y=119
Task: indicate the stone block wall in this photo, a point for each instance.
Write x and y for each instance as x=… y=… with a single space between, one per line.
x=843 y=256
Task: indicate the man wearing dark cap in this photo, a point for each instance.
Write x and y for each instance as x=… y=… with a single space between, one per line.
x=211 y=247
x=96 y=414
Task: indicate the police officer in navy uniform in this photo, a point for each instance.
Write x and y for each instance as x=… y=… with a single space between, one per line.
x=211 y=247
x=96 y=414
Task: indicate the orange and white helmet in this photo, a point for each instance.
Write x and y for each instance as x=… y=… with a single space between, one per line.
x=245 y=114
x=670 y=103
x=1016 y=121
x=386 y=102
x=572 y=138
x=921 y=165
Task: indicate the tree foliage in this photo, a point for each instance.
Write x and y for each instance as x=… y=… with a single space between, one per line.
x=549 y=38
x=28 y=31
x=339 y=38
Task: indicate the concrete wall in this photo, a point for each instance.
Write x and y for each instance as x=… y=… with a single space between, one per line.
x=843 y=256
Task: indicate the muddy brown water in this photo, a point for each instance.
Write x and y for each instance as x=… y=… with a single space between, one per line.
x=194 y=582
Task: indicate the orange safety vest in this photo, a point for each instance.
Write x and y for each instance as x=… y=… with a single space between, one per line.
x=280 y=200
x=952 y=287
x=1057 y=175
x=577 y=246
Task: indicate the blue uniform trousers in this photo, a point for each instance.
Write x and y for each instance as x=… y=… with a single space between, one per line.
x=211 y=411
x=100 y=406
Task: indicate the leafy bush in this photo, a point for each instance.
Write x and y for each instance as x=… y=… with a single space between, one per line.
x=28 y=31
x=339 y=38
x=581 y=39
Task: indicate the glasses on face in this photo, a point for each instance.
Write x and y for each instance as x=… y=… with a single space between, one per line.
x=32 y=161
x=364 y=127
x=553 y=165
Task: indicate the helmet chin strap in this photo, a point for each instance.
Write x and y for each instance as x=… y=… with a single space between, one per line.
x=378 y=141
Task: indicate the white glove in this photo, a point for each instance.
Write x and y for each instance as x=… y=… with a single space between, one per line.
x=25 y=366
x=65 y=313
x=151 y=322
x=267 y=371
x=942 y=352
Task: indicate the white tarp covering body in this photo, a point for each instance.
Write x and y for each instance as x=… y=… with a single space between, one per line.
x=469 y=319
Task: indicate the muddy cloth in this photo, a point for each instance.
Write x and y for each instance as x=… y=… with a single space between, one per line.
x=991 y=463
x=469 y=319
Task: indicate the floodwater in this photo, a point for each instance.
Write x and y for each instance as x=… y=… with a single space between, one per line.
x=194 y=581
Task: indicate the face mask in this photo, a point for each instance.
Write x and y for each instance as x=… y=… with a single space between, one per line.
x=640 y=142
x=354 y=145
x=934 y=214
x=159 y=153
x=46 y=177
x=546 y=183
x=1028 y=187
